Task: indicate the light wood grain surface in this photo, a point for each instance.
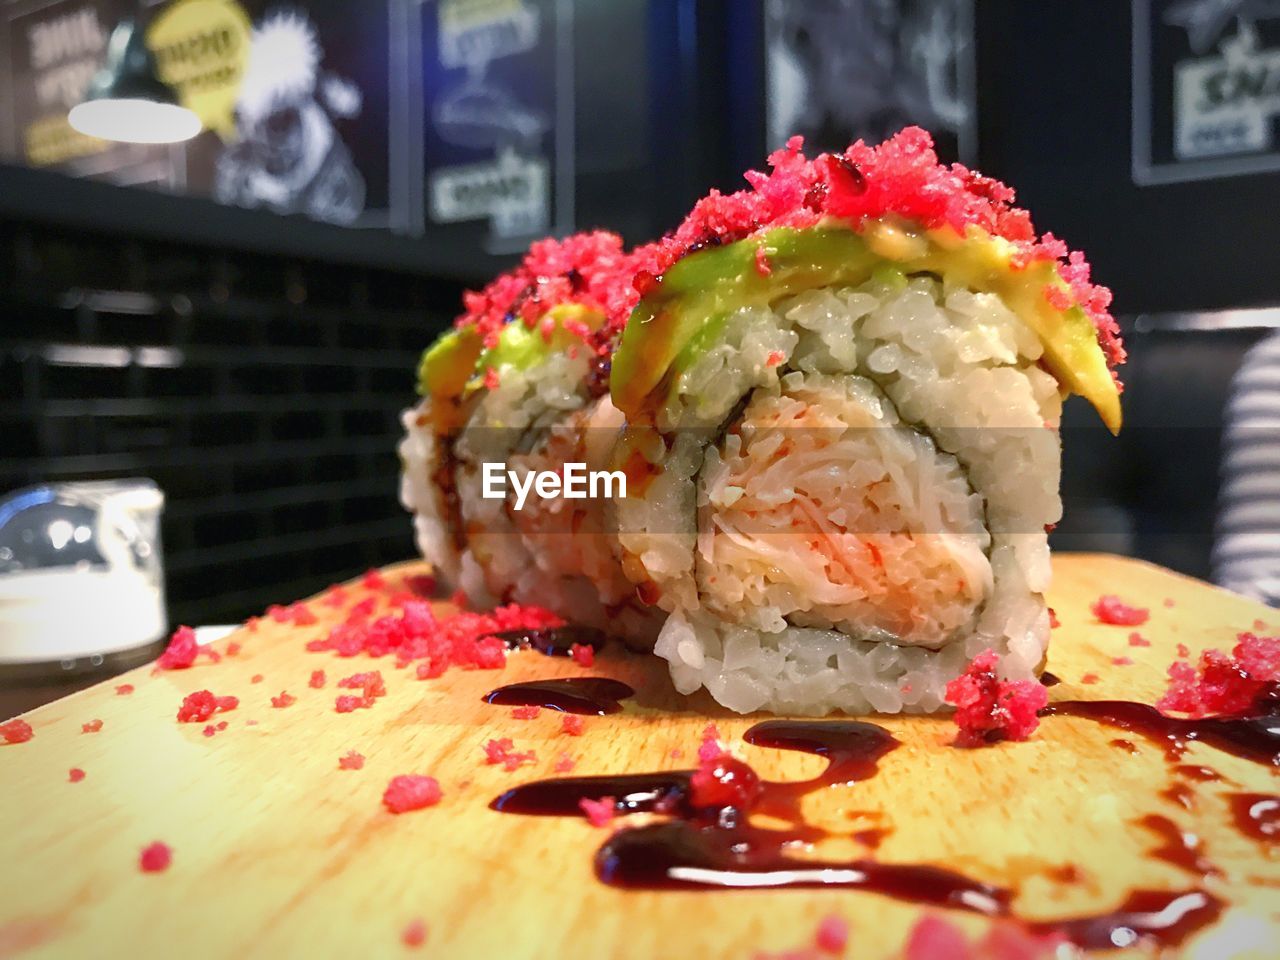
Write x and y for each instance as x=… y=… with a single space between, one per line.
x=279 y=853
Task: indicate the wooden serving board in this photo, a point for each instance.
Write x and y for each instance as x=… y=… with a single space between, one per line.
x=277 y=852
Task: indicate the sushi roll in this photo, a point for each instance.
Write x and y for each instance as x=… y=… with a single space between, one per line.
x=843 y=389
x=521 y=382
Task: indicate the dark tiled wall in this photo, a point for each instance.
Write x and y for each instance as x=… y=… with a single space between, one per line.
x=260 y=394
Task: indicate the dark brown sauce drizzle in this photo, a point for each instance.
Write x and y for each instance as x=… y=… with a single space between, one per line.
x=1181 y=848
x=712 y=845
x=584 y=695
x=552 y=641
x=1254 y=735
x=1257 y=815
x=1048 y=679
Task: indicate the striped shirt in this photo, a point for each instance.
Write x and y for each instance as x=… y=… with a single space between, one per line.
x=1246 y=553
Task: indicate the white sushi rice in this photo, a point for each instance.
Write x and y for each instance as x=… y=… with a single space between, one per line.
x=555 y=552
x=939 y=433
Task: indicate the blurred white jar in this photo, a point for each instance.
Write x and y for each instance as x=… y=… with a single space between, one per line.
x=81 y=572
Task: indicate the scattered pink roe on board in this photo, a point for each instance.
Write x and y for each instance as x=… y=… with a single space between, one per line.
x=525 y=713
x=16 y=731
x=256 y=678
x=414 y=934
x=1054 y=622
x=124 y=689
x=317 y=679
x=93 y=726
x=347 y=703
x=411 y=792
x=724 y=781
x=1138 y=640
x=233 y=649
x=599 y=813
x=155 y=857
x=564 y=763
x=988 y=708
x=1122 y=661
x=209 y=730
x=285 y=699
x=933 y=938
x=1223 y=684
x=1090 y=678
x=504 y=752
x=1111 y=609
x=1183 y=651
x=463 y=639
x=351 y=760
x=572 y=724
x=833 y=934
x=370 y=682
x=183 y=650
x=584 y=655
x=201 y=705
x=373 y=580
x=335 y=596
x=75 y=775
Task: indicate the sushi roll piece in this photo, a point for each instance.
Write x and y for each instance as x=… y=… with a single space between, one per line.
x=843 y=389
x=521 y=382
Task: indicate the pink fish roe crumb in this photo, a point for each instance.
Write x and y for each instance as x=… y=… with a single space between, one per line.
x=351 y=761
x=75 y=775
x=335 y=596
x=503 y=752
x=233 y=649
x=1090 y=678
x=256 y=678
x=209 y=730
x=285 y=699
x=526 y=713
x=415 y=634
x=1122 y=661
x=1054 y=622
x=1221 y=683
x=572 y=724
x=988 y=708
x=124 y=689
x=833 y=934
x=933 y=937
x=1138 y=640
x=317 y=679
x=565 y=763
x=599 y=813
x=710 y=747
x=414 y=934
x=1259 y=625
x=1183 y=651
x=16 y=731
x=93 y=726
x=1113 y=610
x=298 y=614
x=373 y=580
x=584 y=655
x=1168 y=601
x=155 y=858
x=411 y=792
x=183 y=650
x=201 y=705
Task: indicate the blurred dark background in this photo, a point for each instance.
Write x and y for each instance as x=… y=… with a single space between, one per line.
x=250 y=350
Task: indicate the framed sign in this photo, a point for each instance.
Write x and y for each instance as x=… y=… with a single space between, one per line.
x=1206 y=89
x=844 y=70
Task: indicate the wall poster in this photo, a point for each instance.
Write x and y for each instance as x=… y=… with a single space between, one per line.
x=1206 y=89
x=497 y=98
x=842 y=70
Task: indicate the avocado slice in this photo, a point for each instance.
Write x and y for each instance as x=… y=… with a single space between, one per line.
x=456 y=363
x=684 y=313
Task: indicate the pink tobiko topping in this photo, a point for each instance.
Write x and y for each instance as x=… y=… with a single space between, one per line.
x=1114 y=611
x=584 y=655
x=286 y=699
x=75 y=775
x=525 y=713
x=503 y=752
x=599 y=813
x=93 y=726
x=414 y=934
x=182 y=651
x=124 y=689
x=201 y=705
x=572 y=724
x=16 y=731
x=899 y=178
x=411 y=792
x=1224 y=684
x=155 y=857
x=832 y=935
x=351 y=761
x=988 y=708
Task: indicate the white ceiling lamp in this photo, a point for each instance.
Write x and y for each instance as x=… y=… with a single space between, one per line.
x=127 y=101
